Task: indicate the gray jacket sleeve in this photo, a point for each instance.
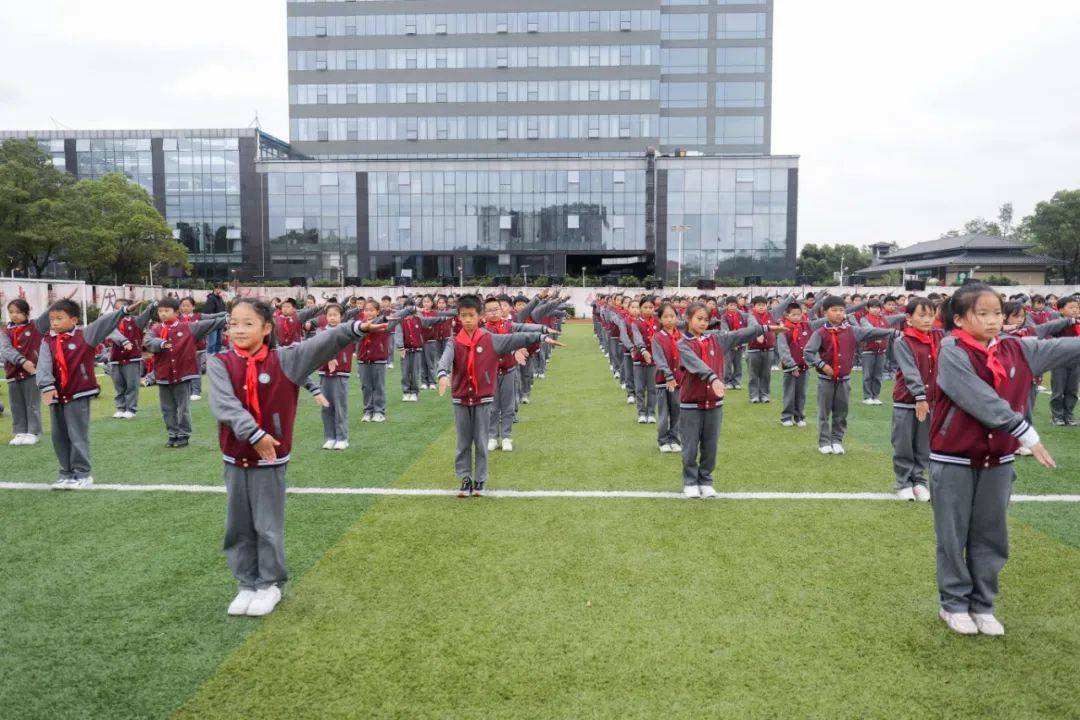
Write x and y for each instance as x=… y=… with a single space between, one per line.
x=1043 y=355
x=202 y=328
x=636 y=339
x=307 y=313
x=787 y=362
x=117 y=337
x=1050 y=327
x=729 y=340
x=225 y=406
x=97 y=331
x=45 y=379
x=905 y=360
x=42 y=322
x=508 y=343
x=624 y=334
x=394 y=320
x=660 y=360
x=446 y=361
x=692 y=363
x=869 y=332
x=300 y=360
x=778 y=312
x=957 y=379
x=526 y=312
x=7 y=352
x=812 y=351
x=528 y=327
x=143 y=318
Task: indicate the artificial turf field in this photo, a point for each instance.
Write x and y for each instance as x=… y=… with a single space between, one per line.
x=112 y=604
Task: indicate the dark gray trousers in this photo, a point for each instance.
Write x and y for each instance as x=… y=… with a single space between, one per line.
x=200 y=362
x=733 y=367
x=410 y=372
x=176 y=409
x=971 y=525
x=431 y=360
x=472 y=425
x=1063 y=391
x=25 y=399
x=528 y=371
x=911 y=448
x=873 y=365
x=373 y=387
x=628 y=372
x=700 y=430
x=760 y=368
x=667 y=421
x=71 y=437
x=794 y=397
x=505 y=405
x=125 y=377
x=645 y=389
x=335 y=419
x=255 y=525
x=832 y=398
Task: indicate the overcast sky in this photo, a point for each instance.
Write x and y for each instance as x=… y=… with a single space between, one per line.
x=910 y=118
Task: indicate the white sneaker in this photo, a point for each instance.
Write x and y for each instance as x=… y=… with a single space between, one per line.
x=801 y=423
x=378 y=417
x=665 y=448
x=524 y=399
x=622 y=385
x=341 y=445
x=196 y=397
x=906 y=494
x=507 y=445
x=241 y=603
x=118 y=415
x=651 y=420
x=787 y=423
x=922 y=493
x=264 y=602
x=630 y=400
x=30 y=439
x=128 y=414
x=81 y=483
x=959 y=622
x=642 y=419
x=988 y=624
x=825 y=449
x=414 y=398
x=16 y=440
x=405 y=397
x=366 y=418
x=62 y=484
x=691 y=491
x=328 y=445
x=837 y=449
x=707 y=491
x=493 y=444
x=541 y=376
x=877 y=401
x=867 y=401
x=676 y=447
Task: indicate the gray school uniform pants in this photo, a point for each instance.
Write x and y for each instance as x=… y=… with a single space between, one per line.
x=25 y=398
x=911 y=448
x=472 y=424
x=700 y=430
x=544 y=356
x=335 y=419
x=627 y=371
x=645 y=389
x=1063 y=390
x=733 y=367
x=667 y=422
x=431 y=359
x=832 y=399
x=971 y=525
x=71 y=437
x=760 y=367
x=373 y=386
x=200 y=363
x=873 y=365
x=794 y=397
x=505 y=405
x=125 y=377
x=255 y=525
x=528 y=370
x=176 y=409
x=410 y=372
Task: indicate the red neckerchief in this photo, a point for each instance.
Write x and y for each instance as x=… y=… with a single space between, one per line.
x=675 y=337
x=61 y=360
x=14 y=333
x=251 y=379
x=734 y=320
x=163 y=330
x=470 y=366
x=834 y=334
x=1001 y=375
x=499 y=328
x=794 y=329
x=875 y=320
x=926 y=338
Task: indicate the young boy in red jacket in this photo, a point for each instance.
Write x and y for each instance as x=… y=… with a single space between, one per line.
x=470 y=364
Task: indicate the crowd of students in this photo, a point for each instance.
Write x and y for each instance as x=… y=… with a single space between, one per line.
x=966 y=370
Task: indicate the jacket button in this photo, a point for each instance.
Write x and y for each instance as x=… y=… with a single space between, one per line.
x=990 y=436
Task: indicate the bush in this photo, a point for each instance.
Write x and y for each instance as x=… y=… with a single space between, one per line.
x=93 y=312
x=1000 y=280
x=325 y=283
x=629 y=281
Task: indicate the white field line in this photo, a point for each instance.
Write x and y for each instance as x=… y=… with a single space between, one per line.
x=602 y=494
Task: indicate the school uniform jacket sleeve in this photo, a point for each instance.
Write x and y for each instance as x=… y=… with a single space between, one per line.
x=42 y=322
x=526 y=312
x=868 y=332
x=7 y=352
x=694 y=364
x=787 y=362
x=812 y=351
x=45 y=380
x=529 y=327
x=624 y=334
x=300 y=360
x=1050 y=327
x=636 y=339
x=202 y=328
x=446 y=361
x=96 y=332
x=957 y=379
x=660 y=360
x=143 y=318
x=225 y=406
x=1044 y=355
x=307 y=313
x=729 y=340
x=905 y=360
x=508 y=343
x=118 y=337
x=777 y=312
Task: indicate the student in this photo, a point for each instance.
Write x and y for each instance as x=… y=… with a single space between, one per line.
x=386 y=309
x=289 y=323
x=790 y=345
x=669 y=378
x=701 y=395
x=873 y=353
x=831 y=350
x=430 y=334
x=1018 y=323
x=760 y=350
x=173 y=344
x=642 y=331
x=624 y=321
x=473 y=360
x=188 y=315
x=916 y=355
x=731 y=320
x=410 y=339
x=334 y=384
x=1065 y=380
x=978 y=423
x=65 y=376
x=20 y=346
x=254 y=388
x=125 y=359
x=373 y=355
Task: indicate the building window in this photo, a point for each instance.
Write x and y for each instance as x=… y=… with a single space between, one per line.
x=740 y=26
x=572 y=222
x=740 y=94
x=619 y=177
x=683 y=95
x=505 y=222
x=740 y=130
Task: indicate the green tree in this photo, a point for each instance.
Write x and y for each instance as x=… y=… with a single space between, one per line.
x=819 y=262
x=29 y=184
x=1054 y=227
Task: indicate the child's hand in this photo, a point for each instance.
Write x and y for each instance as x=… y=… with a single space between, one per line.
x=522 y=356
x=922 y=410
x=321 y=400
x=332 y=365
x=265 y=447
x=403 y=354
x=672 y=386
x=1040 y=453
x=552 y=341
x=166 y=345
x=827 y=370
x=127 y=345
x=444 y=383
x=29 y=367
x=796 y=372
x=48 y=397
x=374 y=327
x=718 y=388
x=647 y=357
x=778 y=328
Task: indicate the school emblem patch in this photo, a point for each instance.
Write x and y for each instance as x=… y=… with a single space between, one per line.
x=26 y=334
x=71 y=346
x=264 y=378
x=479 y=349
x=179 y=334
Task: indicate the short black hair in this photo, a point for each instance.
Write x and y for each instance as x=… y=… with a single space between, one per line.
x=962 y=302
x=875 y=303
x=467 y=302
x=169 y=302
x=288 y=300
x=69 y=307
x=792 y=306
x=21 y=305
x=731 y=300
x=759 y=299
x=831 y=302
x=917 y=302
x=493 y=299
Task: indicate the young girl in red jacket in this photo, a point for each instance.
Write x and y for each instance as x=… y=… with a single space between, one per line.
x=978 y=423
x=668 y=379
x=19 y=348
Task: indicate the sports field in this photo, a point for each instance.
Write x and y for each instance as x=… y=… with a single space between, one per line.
x=112 y=604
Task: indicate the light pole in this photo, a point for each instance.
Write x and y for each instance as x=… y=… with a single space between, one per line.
x=525 y=274
x=680 y=229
